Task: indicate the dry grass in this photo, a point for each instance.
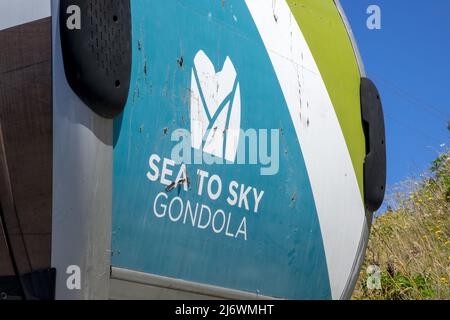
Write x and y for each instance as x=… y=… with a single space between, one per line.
x=411 y=243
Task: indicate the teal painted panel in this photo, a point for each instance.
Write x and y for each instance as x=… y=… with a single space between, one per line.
x=263 y=234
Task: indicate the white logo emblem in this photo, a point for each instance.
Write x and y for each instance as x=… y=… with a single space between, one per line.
x=215 y=108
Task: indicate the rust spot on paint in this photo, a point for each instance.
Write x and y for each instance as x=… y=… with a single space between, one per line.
x=180 y=62
x=178 y=184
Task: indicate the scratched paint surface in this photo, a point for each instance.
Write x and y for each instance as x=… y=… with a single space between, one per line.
x=282 y=252
x=342 y=79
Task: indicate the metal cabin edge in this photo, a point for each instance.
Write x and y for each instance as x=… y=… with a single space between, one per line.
x=351 y=35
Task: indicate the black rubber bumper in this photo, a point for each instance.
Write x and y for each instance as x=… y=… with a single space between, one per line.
x=374 y=129
x=96 y=51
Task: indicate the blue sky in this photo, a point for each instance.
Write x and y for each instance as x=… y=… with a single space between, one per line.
x=409 y=60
